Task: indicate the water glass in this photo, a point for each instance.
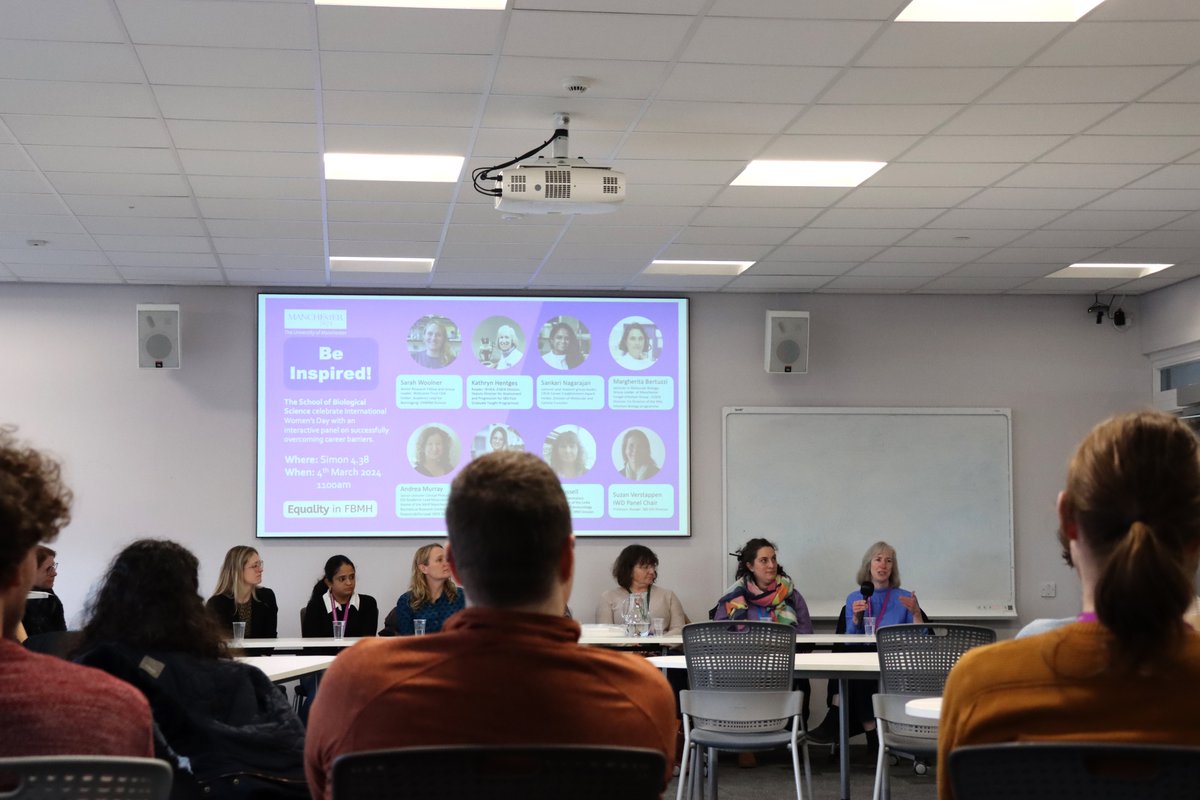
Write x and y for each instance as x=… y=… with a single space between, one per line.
x=658 y=625
x=418 y=627
x=641 y=628
x=339 y=629
x=869 y=626
x=239 y=632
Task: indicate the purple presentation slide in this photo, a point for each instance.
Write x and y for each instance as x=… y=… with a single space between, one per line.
x=368 y=406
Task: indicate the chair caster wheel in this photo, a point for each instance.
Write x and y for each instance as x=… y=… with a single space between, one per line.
x=920 y=768
x=892 y=761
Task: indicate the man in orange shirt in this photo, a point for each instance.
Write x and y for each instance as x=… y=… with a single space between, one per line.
x=506 y=670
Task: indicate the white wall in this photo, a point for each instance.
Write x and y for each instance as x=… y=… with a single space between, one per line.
x=1171 y=316
x=171 y=453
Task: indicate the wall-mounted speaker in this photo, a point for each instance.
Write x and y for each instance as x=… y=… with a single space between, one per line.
x=158 y=336
x=787 y=342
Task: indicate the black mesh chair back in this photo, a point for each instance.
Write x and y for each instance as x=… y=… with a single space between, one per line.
x=533 y=772
x=1065 y=770
x=740 y=655
x=84 y=778
x=915 y=659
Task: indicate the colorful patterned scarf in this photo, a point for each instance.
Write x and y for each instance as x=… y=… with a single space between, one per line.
x=769 y=605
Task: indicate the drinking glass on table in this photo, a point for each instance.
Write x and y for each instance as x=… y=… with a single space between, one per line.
x=635 y=615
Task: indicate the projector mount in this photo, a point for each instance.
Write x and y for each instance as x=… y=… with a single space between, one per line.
x=558 y=139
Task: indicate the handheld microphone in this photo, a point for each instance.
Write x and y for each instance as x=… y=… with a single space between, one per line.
x=867 y=589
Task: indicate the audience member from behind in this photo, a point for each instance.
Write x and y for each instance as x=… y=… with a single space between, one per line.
x=334 y=599
x=1127 y=669
x=509 y=669
x=220 y=724
x=635 y=571
x=432 y=594
x=44 y=615
x=51 y=707
x=241 y=597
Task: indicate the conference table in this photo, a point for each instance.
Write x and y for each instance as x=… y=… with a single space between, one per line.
x=286 y=668
x=614 y=636
x=924 y=707
x=841 y=667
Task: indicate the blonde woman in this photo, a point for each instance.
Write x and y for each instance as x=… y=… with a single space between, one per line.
x=241 y=597
x=432 y=595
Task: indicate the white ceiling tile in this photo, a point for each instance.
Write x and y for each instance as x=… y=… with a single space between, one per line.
x=227 y=66
x=129 y=205
x=65 y=20
x=779 y=196
x=810 y=9
x=995 y=218
x=1018 y=272
x=940 y=149
x=151 y=259
x=688 y=7
x=1115 y=220
x=261 y=164
x=69 y=61
x=623 y=251
x=233 y=208
x=615 y=268
x=631 y=215
x=723 y=235
x=580 y=234
x=1183 y=89
x=342 y=211
x=49 y=256
x=1152 y=119
x=65 y=273
x=482 y=280
x=699 y=146
x=273 y=262
x=680 y=283
x=658 y=195
x=875 y=218
x=404 y=72
x=36 y=224
x=282 y=247
x=501 y=265
x=1016 y=120
x=1132 y=43
x=900 y=269
x=847 y=236
x=1145 y=9
x=443 y=109
x=24 y=182
x=906 y=254
x=61 y=241
x=12 y=157
x=642 y=37
x=392 y=192
x=700 y=117
x=746 y=83
x=1150 y=199
x=396 y=139
x=960 y=237
x=208 y=135
x=905 y=197
x=527 y=230
x=963 y=44
x=87 y=131
x=143 y=226
x=820 y=43
x=1091 y=84
x=103 y=159
x=11 y=203
x=117 y=183
x=275 y=277
x=733 y=216
x=609 y=78
x=794 y=268
x=1033 y=198
x=1122 y=150
x=196 y=275
x=1080 y=286
x=883 y=284
x=497 y=145
x=383 y=232
x=871 y=119
x=641 y=172
x=285 y=188
x=1173 y=177
x=1144 y=255
x=1083 y=176
x=410 y=30
x=1165 y=238
x=76 y=98
x=915 y=85
x=837 y=147
x=236 y=104
x=587 y=113
x=217 y=24
x=154 y=244
x=713 y=252
x=273 y=228
x=964 y=284
x=1093 y=239
x=1061 y=256
x=776 y=283
x=940 y=175
x=825 y=254
x=485 y=250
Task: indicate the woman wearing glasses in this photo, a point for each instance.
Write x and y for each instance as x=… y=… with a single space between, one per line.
x=241 y=597
x=44 y=615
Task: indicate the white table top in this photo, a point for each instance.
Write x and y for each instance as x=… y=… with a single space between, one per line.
x=282 y=668
x=814 y=665
x=292 y=643
x=924 y=707
x=614 y=636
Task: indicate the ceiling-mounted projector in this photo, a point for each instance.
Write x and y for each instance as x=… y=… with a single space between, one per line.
x=558 y=185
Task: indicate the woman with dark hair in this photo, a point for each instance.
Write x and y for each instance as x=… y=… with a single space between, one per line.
x=433 y=452
x=334 y=598
x=567 y=456
x=636 y=350
x=565 y=351
x=1126 y=669
x=639 y=462
x=635 y=571
x=223 y=726
x=432 y=595
x=241 y=597
x=763 y=591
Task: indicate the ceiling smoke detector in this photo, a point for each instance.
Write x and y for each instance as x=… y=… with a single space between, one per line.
x=576 y=85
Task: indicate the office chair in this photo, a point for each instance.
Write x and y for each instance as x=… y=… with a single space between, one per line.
x=84 y=778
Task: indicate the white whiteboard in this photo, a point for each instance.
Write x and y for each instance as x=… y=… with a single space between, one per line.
x=825 y=483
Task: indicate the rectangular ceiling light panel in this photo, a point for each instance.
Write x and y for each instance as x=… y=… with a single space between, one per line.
x=368 y=264
x=996 y=10
x=1108 y=270
x=698 y=267
x=807 y=173
x=464 y=5
x=392 y=167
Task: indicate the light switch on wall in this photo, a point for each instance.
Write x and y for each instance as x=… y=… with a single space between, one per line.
x=1049 y=589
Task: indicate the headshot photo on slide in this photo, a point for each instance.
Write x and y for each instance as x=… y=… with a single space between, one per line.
x=433 y=341
x=635 y=343
x=499 y=343
x=638 y=453
x=564 y=342
x=433 y=450
x=495 y=438
x=570 y=450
